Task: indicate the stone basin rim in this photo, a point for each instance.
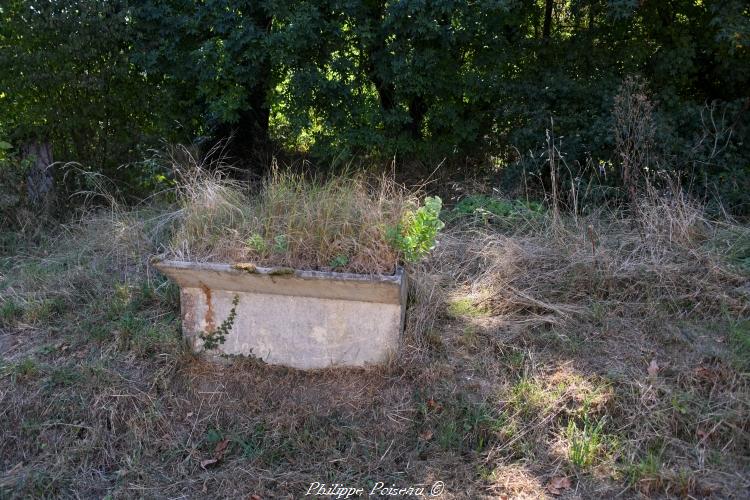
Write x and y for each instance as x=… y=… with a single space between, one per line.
x=273 y=272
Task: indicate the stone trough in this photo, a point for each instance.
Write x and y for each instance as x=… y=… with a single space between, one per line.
x=301 y=319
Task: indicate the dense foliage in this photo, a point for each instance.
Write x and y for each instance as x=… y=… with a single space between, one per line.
x=484 y=79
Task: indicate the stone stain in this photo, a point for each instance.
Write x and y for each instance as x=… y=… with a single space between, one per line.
x=210 y=325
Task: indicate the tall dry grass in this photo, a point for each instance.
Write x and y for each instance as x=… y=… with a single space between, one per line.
x=660 y=260
x=292 y=219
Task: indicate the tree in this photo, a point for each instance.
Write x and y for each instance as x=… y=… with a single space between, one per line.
x=67 y=80
x=215 y=54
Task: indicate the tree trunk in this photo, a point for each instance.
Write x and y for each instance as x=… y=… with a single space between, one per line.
x=417 y=112
x=39 y=179
x=374 y=53
x=548 y=7
x=249 y=135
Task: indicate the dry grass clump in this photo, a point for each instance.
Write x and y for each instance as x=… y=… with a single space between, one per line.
x=291 y=219
x=664 y=262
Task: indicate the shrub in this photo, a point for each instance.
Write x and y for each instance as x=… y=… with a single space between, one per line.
x=13 y=203
x=488 y=206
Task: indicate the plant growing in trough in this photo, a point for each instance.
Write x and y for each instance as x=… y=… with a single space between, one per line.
x=354 y=223
x=212 y=340
x=414 y=236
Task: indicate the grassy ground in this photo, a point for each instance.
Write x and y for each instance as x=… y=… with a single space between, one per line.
x=574 y=358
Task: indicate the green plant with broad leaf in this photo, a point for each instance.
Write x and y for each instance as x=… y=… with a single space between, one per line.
x=416 y=234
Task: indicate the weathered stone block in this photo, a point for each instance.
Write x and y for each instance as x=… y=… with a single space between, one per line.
x=302 y=319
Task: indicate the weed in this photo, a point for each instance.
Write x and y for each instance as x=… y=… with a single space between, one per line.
x=252 y=444
x=63 y=376
x=212 y=340
x=646 y=474
x=469 y=336
x=339 y=261
x=280 y=243
x=157 y=337
x=462 y=425
x=532 y=398
x=43 y=311
x=46 y=349
x=415 y=235
x=257 y=244
x=515 y=359
x=490 y=208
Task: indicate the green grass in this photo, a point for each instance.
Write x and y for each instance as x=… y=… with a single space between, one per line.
x=63 y=376
x=459 y=425
x=734 y=244
x=25 y=370
x=648 y=468
x=739 y=341
x=43 y=311
x=586 y=443
x=533 y=398
x=10 y=312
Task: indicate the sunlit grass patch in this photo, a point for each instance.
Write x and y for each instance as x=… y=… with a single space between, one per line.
x=562 y=392
x=468 y=307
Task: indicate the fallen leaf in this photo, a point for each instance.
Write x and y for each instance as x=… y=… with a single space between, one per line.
x=653 y=368
x=255 y=497
x=221 y=447
x=207 y=462
x=557 y=485
x=426 y=435
x=190 y=414
x=434 y=405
